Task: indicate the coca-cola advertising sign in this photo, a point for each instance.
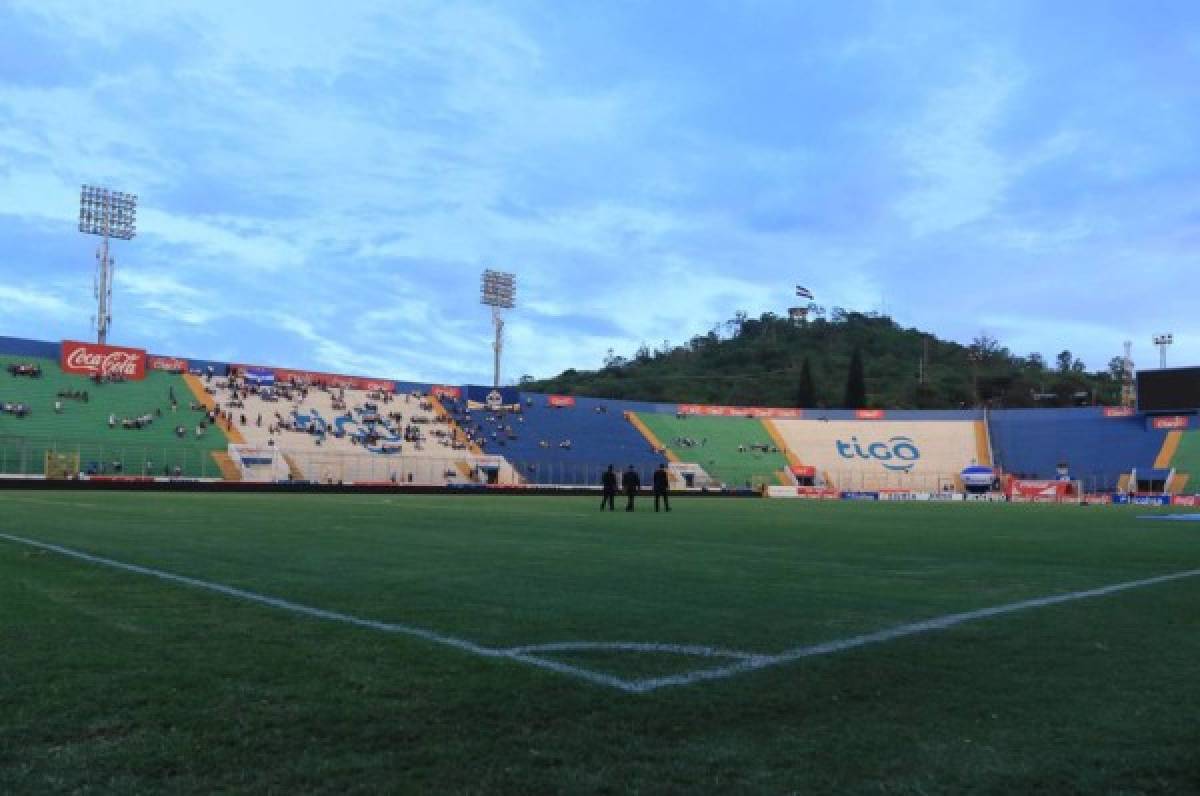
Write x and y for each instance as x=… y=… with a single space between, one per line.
x=560 y=401
x=169 y=364
x=105 y=361
x=1172 y=423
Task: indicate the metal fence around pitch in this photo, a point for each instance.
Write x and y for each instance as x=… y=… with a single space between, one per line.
x=22 y=456
x=27 y=457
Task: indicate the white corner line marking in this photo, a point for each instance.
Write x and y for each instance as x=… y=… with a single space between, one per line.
x=746 y=661
x=598 y=678
x=899 y=631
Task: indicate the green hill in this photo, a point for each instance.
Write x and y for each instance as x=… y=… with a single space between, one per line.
x=758 y=361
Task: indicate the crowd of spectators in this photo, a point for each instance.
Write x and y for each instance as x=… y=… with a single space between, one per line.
x=30 y=369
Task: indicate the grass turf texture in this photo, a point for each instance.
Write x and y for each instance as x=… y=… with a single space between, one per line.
x=83 y=427
x=111 y=681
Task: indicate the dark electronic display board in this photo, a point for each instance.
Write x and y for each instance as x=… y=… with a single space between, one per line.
x=1168 y=390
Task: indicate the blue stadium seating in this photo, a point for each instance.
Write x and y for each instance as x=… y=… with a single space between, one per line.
x=597 y=429
x=1097 y=449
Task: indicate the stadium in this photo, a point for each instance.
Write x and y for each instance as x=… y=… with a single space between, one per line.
x=278 y=519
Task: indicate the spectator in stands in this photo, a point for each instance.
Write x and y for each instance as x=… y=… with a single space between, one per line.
x=660 y=487
x=630 y=482
x=608 y=488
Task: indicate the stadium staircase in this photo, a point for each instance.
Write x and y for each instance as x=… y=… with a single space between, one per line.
x=82 y=427
x=1181 y=454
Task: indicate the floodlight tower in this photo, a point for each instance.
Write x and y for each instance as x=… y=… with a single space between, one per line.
x=1162 y=341
x=498 y=291
x=109 y=214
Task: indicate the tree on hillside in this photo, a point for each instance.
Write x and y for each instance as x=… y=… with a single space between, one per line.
x=806 y=391
x=856 y=384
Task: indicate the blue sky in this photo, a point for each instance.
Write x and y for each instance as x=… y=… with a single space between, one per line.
x=322 y=183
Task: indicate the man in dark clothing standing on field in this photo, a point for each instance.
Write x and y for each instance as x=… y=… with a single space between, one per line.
x=608 y=485
x=631 y=483
x=660 y=487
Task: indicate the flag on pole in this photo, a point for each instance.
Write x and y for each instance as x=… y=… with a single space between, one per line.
x=804 y=293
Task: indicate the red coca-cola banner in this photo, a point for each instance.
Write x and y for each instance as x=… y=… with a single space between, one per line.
x=803 y=470
x=1191 y=501
x=106 y=361
x=443 y=391
x=560 y=401
x=869 y=414
x=169 y=364
x=738 y=411
x=1118 y=411
x=1037 y=491
x=1172 y=423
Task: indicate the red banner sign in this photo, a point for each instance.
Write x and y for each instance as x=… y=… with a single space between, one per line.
x=1037 y=491
x=442 y=391
x=869 y=414
x=1118 y=411
x=106 y=361
x=1191 y=501
x=738 y=411
x=817 y=493
x=312 y=378
x=169 y=364
x=560 y=401
x=803 y=470
x=1174 y=422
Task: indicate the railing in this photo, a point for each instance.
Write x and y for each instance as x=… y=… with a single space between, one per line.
x=27 y=456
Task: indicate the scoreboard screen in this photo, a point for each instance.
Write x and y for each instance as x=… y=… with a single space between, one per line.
x=1168 y=389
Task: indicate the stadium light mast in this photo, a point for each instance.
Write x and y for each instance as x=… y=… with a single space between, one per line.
x=109 y=214
x=1162 y=341
x=498 y=291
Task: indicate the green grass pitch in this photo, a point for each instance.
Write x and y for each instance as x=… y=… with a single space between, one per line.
x=113 y=681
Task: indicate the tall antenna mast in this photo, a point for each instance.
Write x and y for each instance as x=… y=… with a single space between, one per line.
x=109 y=214
x=1128 y=393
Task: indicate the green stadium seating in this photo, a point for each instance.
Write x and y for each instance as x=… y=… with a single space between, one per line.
x=719 y=454
x=83 y=427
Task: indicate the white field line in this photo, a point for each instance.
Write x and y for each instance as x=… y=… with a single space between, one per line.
x=747 y=662
x=598 y=678
x=696 y=650
x=900 y=631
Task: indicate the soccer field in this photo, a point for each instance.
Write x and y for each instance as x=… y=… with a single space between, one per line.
x=346 y=643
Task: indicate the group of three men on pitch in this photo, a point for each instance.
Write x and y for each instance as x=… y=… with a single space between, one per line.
x=631 y=482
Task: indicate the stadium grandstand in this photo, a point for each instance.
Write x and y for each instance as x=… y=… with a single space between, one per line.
x=95 y=411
